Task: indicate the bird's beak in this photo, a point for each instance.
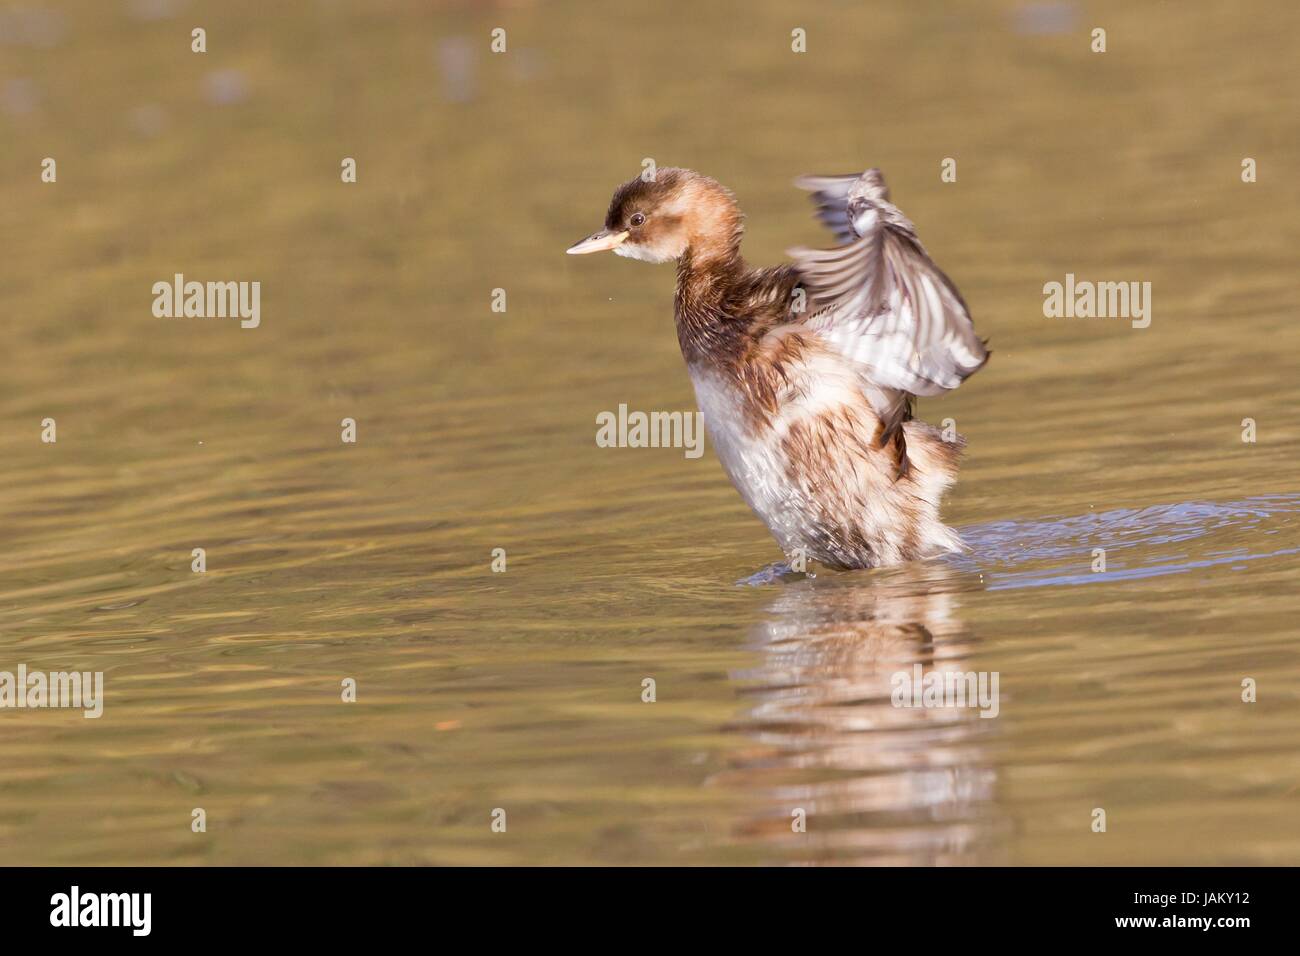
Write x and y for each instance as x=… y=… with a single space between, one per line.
x=598 y=242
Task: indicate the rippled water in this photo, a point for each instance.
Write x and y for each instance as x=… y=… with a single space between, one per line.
x=1119 y=689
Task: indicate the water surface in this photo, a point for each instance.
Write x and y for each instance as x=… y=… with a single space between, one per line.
x=522 y=690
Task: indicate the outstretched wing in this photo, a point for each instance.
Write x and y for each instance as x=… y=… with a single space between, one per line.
x=879 y=299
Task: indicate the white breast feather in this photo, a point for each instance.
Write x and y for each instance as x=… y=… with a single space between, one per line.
x=756 y=463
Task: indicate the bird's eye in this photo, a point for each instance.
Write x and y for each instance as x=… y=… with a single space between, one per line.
x=637 y=219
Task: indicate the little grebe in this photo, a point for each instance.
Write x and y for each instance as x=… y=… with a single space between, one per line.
x=806 y=373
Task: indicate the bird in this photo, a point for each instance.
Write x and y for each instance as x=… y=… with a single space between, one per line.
x=806 y=373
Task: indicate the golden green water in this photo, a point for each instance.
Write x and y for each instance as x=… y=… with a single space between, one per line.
x=522 y=690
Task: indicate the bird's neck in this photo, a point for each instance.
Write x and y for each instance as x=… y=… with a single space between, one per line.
x=706 y=280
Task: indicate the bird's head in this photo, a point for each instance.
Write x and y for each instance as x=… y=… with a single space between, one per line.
x=664 y=218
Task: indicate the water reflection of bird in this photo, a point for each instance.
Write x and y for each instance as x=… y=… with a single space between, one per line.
x=806 y=373
x=878 y=783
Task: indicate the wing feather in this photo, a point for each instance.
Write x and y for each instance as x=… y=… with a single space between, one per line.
x=830 y=195
x=879 y=299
